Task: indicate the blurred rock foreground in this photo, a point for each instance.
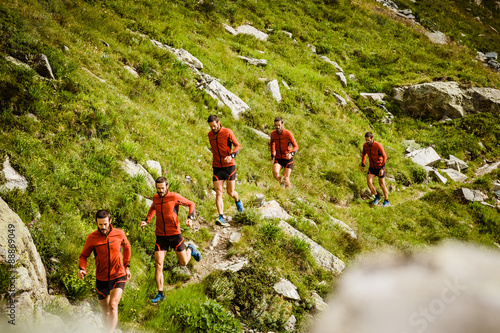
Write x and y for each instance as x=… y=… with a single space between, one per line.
x=450 y=288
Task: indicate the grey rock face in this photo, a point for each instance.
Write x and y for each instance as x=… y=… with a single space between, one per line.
x=455 y=175
x=253 y=61
x=13 y=178
x=274 y=89
x=42 y=66
x=487 y=168
x=287 y=289
x=272 y=210
x=154 y=166
x=249 y=30
x=133 y=169
x=424 y=157
x=340 y=100
x=437 y=290
x=260 y=134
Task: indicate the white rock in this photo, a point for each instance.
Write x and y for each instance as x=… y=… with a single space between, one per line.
x=377 y=97
x=230 y=29
x=456 y=163
x=433 y=172
x=233 y=266
x=285 y=84
x=154 y=166
x=347 y=229
x=13 y=178
x=272 y=210
x=215 y=240
x=487 y=168
x=133 y=169
x=352 y=77
x=340 y=100
x=437 y=37
x=495 y=185
x=249 y=30
x=235 y=237
x=333 y=63
x=260 y=134
x=424 y=157
x=289 y=34
x=274 y=88
x=253 y=61
x=290 y=324
x=131 y=71
x=319 y=304
x=233 y=102
x=260 y=199
x=187 y=57
x=342 y=79
x=312 y=47
x=287 y=289
x=455 y=175
x=470 y=195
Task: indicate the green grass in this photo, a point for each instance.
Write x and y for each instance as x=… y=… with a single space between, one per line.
x=72 y=154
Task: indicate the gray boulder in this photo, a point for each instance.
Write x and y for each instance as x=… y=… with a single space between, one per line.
x=260 y=199
x=437 y=290
x=134 y=169
x=331 y=62
x=253 y=61
x=233 y=102
x=468 y=195
x=42 y=66
x=290 y=324
x=13 y=178
x=287 y=290
x=131 y=71
x=249 y=30
x=154 y=166
x=424 y=157
x=437 y=37
x=342 y=79
x=340 y=100
x=434 y=173
x=273 y=210
x=233 y=265
x=344 y=227
x=274 y=89
x=487 y=168
x=230 y=29
x=455 y=175
x=319 y=304
x=377 y=97
x=188 y=58
x=456 y=163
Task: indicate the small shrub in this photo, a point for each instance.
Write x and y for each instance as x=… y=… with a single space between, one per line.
x=299 y=246
x=418 y=174
x=76 y=288
x=247 y=217
x=4 y=278
x=402 y=179
x=270 y=231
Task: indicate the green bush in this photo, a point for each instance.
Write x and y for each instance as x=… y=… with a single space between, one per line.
x=270 y=231
x=248 y=217
x=76 y=288
x=4 y=278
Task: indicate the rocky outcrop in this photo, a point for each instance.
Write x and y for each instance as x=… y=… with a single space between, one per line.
x=13 y=179
x=274 y=89
x=286 y=289
x=134 y=169
x=438 y=290
x=487 y=168
x=254 y=62
x=272 y=210
x=424 y=157
x=42 y=66
x=249 y=30
x=446 y=99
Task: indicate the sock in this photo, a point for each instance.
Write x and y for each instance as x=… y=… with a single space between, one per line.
x=160 y=292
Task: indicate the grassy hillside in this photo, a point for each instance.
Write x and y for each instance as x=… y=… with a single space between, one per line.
x=71 y=153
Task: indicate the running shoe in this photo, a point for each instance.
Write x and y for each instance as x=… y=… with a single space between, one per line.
x=220 y=221
x=386 y=203
x=157 y=299
x=239 y=206
x=194 y=252
x=377 y=199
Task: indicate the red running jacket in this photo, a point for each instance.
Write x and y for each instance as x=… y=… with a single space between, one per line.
x=376 y=155
x=166 y=209
x=108 y=258
x=221 y=144
x=282 y=144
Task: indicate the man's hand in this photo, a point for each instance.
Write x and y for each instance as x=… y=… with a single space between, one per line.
x=288 y=156
x=127 y=271
x=381 y=172
x=81 y=274
x=228 y=159
x=143 y=224
x=189 y=223
x=362 y=169
x=273 y=160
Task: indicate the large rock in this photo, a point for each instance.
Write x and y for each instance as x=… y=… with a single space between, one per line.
x=342 y=79
x=13 y=178
x=347 y=229
x=253 y=61
x=424 y=157
x=319 y=253
x=437 y=290
x=249 y=30
x=233 y=102
x=455 y=175
x=487 y=168
x=446 y=99
x=260 y=134
x=468 y=195
x=437 y=37
x=42 y=66
x=274 y=89
x=434 y=173
x=287 y=290
x=331 y=62
x=188 y=58
x=273 y=210
x=134 y=169
x=456 y=163
x=154 y=166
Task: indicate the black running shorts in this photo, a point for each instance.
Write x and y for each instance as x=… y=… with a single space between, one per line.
x=372 y=171
x=287 y=164
x=226 y=173
x=105 y=287
x=167 y=243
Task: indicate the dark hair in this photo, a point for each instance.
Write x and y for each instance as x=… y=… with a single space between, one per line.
x=102 y=214
x=212 y=118
x=368 y=135
x=160 y=180
x=278 y=119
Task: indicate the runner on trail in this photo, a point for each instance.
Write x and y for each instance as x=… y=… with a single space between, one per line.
x=222 y=141
x=377 y=158
x=168 y=230
x=283 y=148
x=112 y=270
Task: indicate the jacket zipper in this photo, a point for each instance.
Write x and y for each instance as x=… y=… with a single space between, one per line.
x=279 y=144
x=218 y=150
x=109 y=258
x=163 y=217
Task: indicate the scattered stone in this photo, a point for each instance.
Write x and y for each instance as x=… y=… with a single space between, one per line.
x=255 y=62
x=337 y=67
x=377 y=97
x=260 y=134
x=32 y=116
x=17 y=62
x=411 y=146
x=42 y=66
x=133 y=169
x=289 y=34
x=290 y=324
x=469 y=195
x=260 y=199
x=320 y=254
x=450 y=283
x=233 y=266
x=312 y=47
x=230 y=29
x=491 y=55
x=233 y=102
x=65 y=48
x=319 y=304
x=347 y=229
x=187 y=57
x=235 y=237
x=434 y=173
x=341 y=78
x=154 y=166
x=456 y=163
x=131 y=71
x=455 y=175
x=352 y=77
x=147 y=202
x=437 y=37
x=285 y=84
x=249 y=30
x=424 y=157
x=215 y=240
x=188 y=179
x=274 y=88
x=495 y=185
x=487 y=168
x=104 y=43
x=273 y=210
x=340 y=100
x=287 y=290
x=13 y=179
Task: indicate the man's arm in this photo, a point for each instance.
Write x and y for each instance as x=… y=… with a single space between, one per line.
x=187 y=203
x=294 y=144
x=363 y=159
x=272 y=146
x=151 y=213
x=127 y=253
x=82 y=260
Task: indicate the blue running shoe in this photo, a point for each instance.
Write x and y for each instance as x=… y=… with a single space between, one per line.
x=220 y=220
x=239 y=206
x=386 y=203
x=377 y=199
x=194 y=252
x=157 y=299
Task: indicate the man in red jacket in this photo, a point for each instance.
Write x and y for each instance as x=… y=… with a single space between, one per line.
x=168 y=230
x=283 y=148
x=112 y=271
x=377 y=158
x=222 y=141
